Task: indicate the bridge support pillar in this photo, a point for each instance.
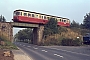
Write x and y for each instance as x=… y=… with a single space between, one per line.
x=6 y=29
x=38 y=34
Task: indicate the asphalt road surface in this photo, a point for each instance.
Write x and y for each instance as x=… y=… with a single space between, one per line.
x=55 y=52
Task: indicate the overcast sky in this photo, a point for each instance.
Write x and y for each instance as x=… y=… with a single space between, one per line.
x=72 y=9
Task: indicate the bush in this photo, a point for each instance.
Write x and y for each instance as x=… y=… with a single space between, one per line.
x=51 y=41
x=77 y=42
x=6 y=43
x=71 y=42
x=66 y=42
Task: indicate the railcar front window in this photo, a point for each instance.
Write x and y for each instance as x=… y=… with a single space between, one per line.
x=17 y=13
x=21 y=13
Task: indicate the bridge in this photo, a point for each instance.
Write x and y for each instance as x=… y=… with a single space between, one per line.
x=7 y=28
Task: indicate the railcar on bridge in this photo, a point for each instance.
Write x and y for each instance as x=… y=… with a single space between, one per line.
x=38 y=18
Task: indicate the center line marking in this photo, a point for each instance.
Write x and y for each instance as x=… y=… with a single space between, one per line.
x=61 y=56
x=58 y=55
x=71 y=51
x=35 y=48
x=45 y=51
x=55 y=54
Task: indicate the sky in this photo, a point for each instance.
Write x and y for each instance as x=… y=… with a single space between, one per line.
x=72 y=9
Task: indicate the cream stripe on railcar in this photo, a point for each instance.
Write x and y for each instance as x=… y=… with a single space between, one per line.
x=37 y=15
x=32 y=14
x=54 y=17
x=48 y=17
x=42 y=16
x=45 y=17
x=68 y=21
x=29 y=14
x=58 y=19
x=25 y=14
x=64 y=21
x=22 y=13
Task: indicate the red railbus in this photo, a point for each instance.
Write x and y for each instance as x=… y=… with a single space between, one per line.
x=38 y=18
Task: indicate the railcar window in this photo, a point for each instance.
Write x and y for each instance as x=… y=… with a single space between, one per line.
x=48 y=18
x=25 y=14
x=40 y=16
x=44 y=17
x=17 y=13
x=32 y=15
x=29 y=15
x=36 y=16
x=64 y=20
x=68 y=21
x=21 y=13
x=60 y=20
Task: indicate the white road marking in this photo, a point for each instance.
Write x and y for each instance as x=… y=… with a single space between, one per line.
x=61 y=56
x=55 y=54
x=71 y=51
x=58 y=55
x=44 y=50
x=35 y=48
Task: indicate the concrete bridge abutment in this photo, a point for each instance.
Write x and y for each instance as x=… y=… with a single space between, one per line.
x=38 y=35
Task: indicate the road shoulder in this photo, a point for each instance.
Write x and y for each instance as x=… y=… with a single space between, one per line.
x=20 y=55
